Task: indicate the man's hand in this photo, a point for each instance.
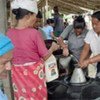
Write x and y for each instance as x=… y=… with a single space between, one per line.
x=65 y=52
x=84 y=63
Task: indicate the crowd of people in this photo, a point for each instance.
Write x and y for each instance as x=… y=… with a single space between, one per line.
x=30 y=52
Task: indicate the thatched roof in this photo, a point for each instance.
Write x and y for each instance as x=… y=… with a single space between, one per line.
x=72 y=6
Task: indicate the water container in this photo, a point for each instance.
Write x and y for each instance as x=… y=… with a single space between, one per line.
x=78 y=76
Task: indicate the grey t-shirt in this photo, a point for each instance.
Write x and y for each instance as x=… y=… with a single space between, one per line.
x=66 y=31
x=75 y=43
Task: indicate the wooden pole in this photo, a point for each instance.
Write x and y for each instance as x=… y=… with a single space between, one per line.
x=46 y=8
x=3 y=16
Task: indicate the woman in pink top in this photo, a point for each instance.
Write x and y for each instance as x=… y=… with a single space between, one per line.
x=28 y=69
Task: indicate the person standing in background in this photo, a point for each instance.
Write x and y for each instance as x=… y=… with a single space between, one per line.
x=48 y=29
x=58 y=22
x=38 y=24
x=29 y=54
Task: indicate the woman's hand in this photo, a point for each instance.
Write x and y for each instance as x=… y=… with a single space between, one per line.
x=53 y=48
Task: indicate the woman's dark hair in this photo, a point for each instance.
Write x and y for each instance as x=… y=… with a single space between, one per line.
x=20 y=13
x=96 y=15
x=50 y=21
x=39 y=15
x=79 y=23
